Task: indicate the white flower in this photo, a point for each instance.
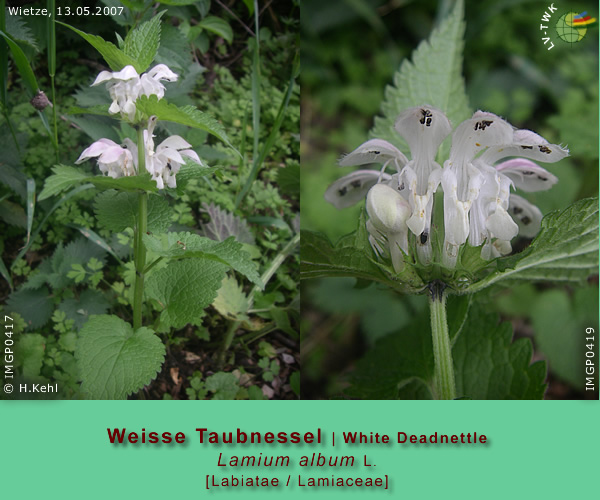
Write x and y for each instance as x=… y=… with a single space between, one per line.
x=164 y=162
x=113 y=160
x=388 y=212
x=126 y=86
x=478 y=204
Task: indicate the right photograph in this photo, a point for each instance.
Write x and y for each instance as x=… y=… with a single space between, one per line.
x=449 y=200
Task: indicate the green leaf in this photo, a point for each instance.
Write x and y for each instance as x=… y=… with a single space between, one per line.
x=565 y=250
x=488 y=366
x=184 y=288
x=22 y=63
x=231 y=301
x=142 y=43
x=187 y=245
x=142 y=182
x=30 y=354
x=218 y=26
x=559 y=321
x=35 y=306
x=433 y=77
x=224 y=385
x=115 y=58
x=396 y=360
x=113 y=360
x=350 y=257
x=62 y=179
x=116 y=211
x=90 y=302
x=185 y=115
x=65 y=177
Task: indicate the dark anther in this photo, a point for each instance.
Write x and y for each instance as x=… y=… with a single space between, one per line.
x=401 y=187
x=542 y=178
x=482 y=124
x=169 y=165
x=526 y=220
x=424 y=237
x=343 y=191
x=355 y=184
x=374 y=152
x=528 y=172
x=426 y=118
x=545 y=149
x=526 y=147
x=517 y=210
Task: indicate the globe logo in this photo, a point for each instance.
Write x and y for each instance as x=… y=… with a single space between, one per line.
x=572 y=27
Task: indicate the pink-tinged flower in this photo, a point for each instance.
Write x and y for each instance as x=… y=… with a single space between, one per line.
x=113 y=160
x=165 y=161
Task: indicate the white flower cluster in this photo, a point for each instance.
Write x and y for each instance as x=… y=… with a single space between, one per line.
x=114 y=160
x=126 y=86
x=478 y=205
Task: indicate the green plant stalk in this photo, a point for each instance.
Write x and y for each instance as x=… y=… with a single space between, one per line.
x=267 y=275
x=443 y=379
x=140 y=230
x=52 y=67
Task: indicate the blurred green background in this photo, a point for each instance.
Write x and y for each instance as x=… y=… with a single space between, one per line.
x=350 y=52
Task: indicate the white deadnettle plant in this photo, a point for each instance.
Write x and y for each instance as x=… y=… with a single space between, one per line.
x=478 y=205
x=115 y=160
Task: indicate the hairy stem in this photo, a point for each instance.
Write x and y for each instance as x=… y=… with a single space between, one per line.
x=139 y=248
x=444 y=385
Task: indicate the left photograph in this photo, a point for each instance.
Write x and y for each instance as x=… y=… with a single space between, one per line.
x=149 y=200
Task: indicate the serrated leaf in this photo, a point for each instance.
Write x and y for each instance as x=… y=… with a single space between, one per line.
x=224 y=224
x=113 y=360
x=192 y=170
x=565 y=250
x=142 y=182
x=185 y=115
x=63 y=178
x=184 y=288
x=19 y=31
x=89 y=303
x=433 y=77
x=35 y=306
x=188 y=245
x=141 y=43
x=116 y=211
x=396 y=360
x=30 y=354
x=488 y=366
x=114 y=57
x=218 y=26
x=223 y=385
x=231 y=301
x=348 y=258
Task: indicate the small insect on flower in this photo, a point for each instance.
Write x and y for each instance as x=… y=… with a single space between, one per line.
x=183 y=247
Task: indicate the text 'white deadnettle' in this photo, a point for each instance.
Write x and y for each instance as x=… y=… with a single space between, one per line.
x=126 y=86
x=478 y=205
